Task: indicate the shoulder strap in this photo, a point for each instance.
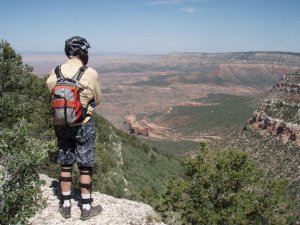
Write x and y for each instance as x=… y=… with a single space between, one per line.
x=58 y=73
x=80 y=72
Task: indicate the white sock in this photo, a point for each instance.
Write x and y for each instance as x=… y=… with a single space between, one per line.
x=67 y=203
x=86 y=196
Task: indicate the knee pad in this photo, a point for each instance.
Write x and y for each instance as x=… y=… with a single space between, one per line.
x=66 y=168
x=86 y=170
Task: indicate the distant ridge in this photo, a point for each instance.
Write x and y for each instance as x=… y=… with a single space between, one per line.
x=207 y=53
x=251 y=55
x=174 y=62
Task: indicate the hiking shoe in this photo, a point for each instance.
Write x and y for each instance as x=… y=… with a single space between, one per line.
x=65 y=211
x=94 y=211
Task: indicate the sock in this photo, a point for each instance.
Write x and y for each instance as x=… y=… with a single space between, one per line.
x=86 y=196
x=67 y=203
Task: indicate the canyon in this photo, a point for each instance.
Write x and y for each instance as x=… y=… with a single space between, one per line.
x=138 y=86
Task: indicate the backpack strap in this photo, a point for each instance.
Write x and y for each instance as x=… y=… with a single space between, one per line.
x=58 y=73
x=80 y=72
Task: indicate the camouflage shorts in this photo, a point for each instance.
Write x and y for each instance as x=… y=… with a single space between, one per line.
x=76 y=144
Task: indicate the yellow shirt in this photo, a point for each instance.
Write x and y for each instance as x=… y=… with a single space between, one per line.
x=89 y=81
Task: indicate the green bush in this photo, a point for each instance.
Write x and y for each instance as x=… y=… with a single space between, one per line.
x=224 y=187
x=21 y=155
x=24 y=145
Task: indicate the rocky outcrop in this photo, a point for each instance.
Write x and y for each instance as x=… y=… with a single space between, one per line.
x=115 y=211
x=137 y=128
x=290 y=84
x=272 y=135
x=269 y=126
x=279 y=115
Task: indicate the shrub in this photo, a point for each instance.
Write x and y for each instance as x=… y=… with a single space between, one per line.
x=24 y=138
x=20 y=157
x=224 y=187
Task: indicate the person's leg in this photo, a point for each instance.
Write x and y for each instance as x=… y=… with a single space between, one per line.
x=85 y=156
x=66 y=184
x=66 y=157
x=85 y=184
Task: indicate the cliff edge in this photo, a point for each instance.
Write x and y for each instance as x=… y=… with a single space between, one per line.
x=115 y=211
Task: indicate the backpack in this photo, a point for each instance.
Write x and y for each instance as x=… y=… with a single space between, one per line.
x=65 y=99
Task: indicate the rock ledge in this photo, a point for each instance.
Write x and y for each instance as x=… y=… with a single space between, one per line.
x=115 y=211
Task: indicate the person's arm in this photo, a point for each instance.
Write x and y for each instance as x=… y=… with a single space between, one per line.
x=96 y=88
x=98 y=93
x=51 y=81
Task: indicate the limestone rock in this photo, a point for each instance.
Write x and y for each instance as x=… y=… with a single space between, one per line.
x=115 y=211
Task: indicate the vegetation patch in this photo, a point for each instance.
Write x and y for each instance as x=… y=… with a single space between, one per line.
x=223 y=112
x=224 y=187
x=172 y=148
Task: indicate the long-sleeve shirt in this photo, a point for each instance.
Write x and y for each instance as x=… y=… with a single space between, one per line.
x=89 y=81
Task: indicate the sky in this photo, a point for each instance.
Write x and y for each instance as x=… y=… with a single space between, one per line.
x=152 y=26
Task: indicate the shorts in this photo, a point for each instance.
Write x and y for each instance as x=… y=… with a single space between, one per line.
x=76 y=144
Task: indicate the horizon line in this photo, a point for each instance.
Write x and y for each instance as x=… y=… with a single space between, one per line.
x=149 y=54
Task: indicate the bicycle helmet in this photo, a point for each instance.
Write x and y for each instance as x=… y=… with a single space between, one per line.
x=77 y=46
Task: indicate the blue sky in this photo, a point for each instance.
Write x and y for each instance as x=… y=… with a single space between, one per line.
x=153 y=26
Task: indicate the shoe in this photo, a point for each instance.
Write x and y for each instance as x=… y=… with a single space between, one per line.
x=65 y=211
x=94 y=211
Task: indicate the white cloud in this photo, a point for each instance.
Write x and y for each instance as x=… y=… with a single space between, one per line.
x=163 y=2
x=128 y=5
x=160 y=2
x=200 y=0
x=189 y=9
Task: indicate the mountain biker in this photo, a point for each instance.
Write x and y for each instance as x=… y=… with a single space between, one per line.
x=76 y=142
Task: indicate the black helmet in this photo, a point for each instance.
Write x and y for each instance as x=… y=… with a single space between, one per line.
x=77 y=46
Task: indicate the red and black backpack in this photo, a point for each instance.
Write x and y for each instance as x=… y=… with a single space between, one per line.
x=65 y=99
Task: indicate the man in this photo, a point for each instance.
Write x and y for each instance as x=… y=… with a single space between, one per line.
x=76 y=142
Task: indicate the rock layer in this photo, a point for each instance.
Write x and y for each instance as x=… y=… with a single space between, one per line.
x=269 y=126
x=279 y=114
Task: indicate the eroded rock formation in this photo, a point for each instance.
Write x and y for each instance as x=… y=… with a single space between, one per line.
x=279 y=115
x=279 y=128
x=138 y=128
x=290 y=84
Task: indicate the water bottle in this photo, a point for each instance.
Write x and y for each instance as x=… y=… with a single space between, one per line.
x=93 y=103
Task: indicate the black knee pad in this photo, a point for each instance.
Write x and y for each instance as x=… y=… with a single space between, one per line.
x=86 y=170
x=66 y=168
x=65 y=179
x=89 y=186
